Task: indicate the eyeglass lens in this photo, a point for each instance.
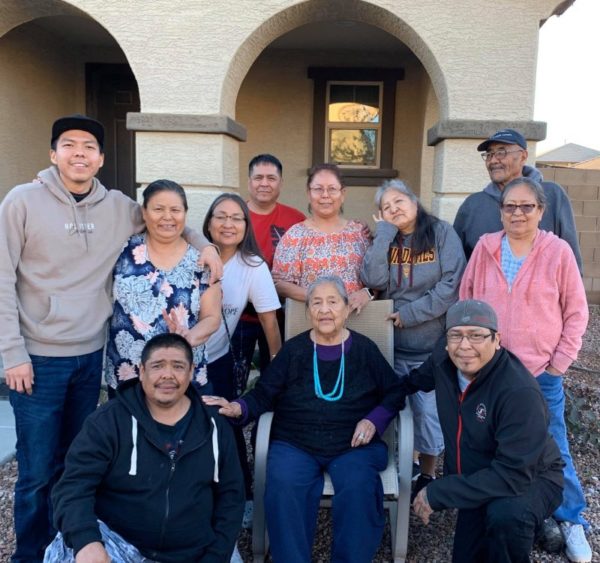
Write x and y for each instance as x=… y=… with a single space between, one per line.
x=511 y=208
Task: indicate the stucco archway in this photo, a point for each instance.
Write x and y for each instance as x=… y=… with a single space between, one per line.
x=46 y=54
x=328 y=10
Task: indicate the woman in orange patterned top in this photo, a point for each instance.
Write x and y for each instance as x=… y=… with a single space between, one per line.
x=323 y=244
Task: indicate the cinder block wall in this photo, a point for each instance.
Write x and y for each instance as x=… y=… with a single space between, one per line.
x=583 y=187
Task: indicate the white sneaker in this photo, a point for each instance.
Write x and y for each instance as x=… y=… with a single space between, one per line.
x=577 y=548
x=235 y=556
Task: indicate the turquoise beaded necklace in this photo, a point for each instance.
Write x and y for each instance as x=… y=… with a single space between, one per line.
x=338 y=390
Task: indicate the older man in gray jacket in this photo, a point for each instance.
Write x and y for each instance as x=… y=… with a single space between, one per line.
x=505 y=154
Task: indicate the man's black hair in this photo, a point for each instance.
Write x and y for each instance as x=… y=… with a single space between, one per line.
x=167 y=340
x=265 y=159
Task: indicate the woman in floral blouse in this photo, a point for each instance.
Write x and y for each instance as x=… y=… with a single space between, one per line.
x=158 y=286
x=323 y=244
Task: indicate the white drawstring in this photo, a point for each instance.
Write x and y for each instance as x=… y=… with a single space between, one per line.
x=215 y=445
x=134 y=432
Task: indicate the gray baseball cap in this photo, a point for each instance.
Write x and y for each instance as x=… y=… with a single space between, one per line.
x=471 y=313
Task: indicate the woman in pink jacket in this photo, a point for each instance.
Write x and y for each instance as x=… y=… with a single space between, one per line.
x=530 y=278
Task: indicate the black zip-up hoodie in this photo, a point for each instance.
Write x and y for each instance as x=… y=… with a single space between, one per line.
x=495 y=432
x=117 y=470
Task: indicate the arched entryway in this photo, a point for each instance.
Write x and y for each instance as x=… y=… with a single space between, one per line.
x=54 y=62
x=286 y=94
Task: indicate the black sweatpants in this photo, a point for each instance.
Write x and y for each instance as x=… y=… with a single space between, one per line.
x=503 y=530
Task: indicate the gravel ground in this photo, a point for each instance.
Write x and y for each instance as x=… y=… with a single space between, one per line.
x=433 y=543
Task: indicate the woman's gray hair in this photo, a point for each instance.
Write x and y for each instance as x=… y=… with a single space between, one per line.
x=536 y=189
x=336 y=281
x=397 y=185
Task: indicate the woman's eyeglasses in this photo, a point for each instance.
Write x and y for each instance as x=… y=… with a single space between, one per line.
x=320 y=190
x=510 y=208
x=236 y=219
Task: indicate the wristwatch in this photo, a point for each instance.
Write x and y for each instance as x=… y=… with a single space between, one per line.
x=370 y=293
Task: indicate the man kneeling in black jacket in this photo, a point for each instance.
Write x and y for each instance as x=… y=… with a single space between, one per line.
x=502 y=469
x=154 y=473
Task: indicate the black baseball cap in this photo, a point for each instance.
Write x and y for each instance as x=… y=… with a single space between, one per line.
x=471 y=312
x=80 y=122
x=508 y=136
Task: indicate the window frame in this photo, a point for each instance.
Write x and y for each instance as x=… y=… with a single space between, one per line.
x=322 y=76
x=341 y=125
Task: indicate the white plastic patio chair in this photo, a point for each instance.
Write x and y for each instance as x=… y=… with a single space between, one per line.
x=396 y=478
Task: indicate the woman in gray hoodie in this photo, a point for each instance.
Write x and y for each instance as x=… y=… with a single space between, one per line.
x=417 y=260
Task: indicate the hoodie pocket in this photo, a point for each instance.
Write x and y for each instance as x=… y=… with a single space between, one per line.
x=75 y=317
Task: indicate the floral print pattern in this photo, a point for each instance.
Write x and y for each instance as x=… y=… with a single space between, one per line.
x=304 y=254
x=141 y=292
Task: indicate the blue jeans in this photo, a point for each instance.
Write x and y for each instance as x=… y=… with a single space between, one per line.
x=65 y=392
x=573 y=503
x=294 y=485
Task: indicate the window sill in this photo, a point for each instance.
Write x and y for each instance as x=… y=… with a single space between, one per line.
x=367 y=176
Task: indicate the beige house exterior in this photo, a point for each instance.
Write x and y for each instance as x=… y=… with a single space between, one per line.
x=592 y=164
x=219 y=82
x=570 y=155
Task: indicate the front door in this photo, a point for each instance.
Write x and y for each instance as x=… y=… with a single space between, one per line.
x=111 y=92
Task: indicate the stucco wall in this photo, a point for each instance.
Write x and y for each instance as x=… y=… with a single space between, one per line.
x=411 y=107
x=430 y=117
x=41 y=79
x=218 y=33
x=275 y=105
x=192 y=57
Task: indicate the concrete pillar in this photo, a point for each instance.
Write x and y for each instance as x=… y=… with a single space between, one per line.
x=457 y=172
x=458 y=169
x=199 y=152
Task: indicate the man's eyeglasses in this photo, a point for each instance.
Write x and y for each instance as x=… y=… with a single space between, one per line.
x=473 y=338
x=236 y=219
x=510 y=208
x=500 y=154
x=320 y=190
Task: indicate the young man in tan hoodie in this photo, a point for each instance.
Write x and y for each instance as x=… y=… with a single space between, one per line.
x=59 y=238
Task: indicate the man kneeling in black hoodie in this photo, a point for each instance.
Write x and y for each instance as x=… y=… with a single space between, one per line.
x=153 y=473
x=502 y=469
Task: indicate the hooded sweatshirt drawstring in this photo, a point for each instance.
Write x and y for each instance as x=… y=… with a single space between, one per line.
x=215 y=446
x=74 y=228
x=86 y=228
x=134 y=432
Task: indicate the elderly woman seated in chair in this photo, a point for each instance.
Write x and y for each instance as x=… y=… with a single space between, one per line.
x=333 y=394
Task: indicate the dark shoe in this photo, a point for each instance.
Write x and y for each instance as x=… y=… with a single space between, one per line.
x=416 y=471
x=550 y=536
x=422 y=481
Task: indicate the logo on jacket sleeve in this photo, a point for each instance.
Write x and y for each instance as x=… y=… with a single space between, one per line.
x=481 y=412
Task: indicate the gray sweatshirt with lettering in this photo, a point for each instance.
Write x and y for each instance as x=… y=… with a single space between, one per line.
x=423 y=287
